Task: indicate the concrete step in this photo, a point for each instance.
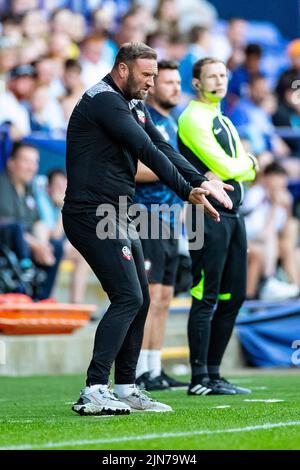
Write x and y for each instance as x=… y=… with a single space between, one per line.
x=68 y=354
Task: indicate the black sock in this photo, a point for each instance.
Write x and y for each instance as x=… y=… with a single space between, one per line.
x=214 y=376
x=214 y=372
x=197 y=379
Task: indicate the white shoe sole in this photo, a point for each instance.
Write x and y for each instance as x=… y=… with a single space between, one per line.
x=150 y=410
x=90 y=409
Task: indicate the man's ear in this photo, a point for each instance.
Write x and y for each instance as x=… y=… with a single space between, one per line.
x=196 y=83
x=123 y=70
x=10 y=164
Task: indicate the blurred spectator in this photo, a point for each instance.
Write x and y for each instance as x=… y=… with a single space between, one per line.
x=176 y=47
x=115 y=9
x=131 y=29
x=195 y=13
x=288 y=100
x=18 y=205
x=18 y=273
x=144 y=17
x=240 y=77
x=62 y=21
x=12 y=110
x=79 y=28
x=22 y=6
x=94 y=67
x=34 y=25
x=11 y=28
x=236 y=41
x=288 y=108
x=66 y=22
x=288 y=111
x=102 y=20
x=49 y=73
x=272 y=235
x=160 y=42
x=50 y=6
x=178 y=17
x=253 y=121
x=45 y=112
x=62 y=47
x=200 y=42
x=294 y=53
x=30 y=51
x=50 y=203
x=74 y=87
x=12 y=236
x=102 y=25
x=8 y=58
x=294 y=56
x=167 y=16
x=35 y=31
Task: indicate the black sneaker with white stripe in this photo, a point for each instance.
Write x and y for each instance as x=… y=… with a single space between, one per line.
x=209 y=387
x=172 y=383
x=146 y=382
x=230 y=386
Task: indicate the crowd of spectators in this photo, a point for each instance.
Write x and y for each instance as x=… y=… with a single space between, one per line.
x=51 y=51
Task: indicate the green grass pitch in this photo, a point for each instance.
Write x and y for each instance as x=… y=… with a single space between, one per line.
x=35 y=413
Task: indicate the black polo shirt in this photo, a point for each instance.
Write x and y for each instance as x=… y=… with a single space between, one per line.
x=106 y=136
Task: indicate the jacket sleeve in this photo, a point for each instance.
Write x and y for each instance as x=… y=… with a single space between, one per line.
x=201 y=141
x=187 y=170
x=111 y=112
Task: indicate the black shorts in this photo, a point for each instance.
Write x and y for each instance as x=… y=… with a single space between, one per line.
x=161 y=260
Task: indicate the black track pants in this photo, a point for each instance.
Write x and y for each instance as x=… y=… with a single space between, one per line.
x=119 y=266
x=219 y=289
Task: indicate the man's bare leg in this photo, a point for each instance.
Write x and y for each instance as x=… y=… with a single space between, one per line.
x=158 y=330
x=155 y=299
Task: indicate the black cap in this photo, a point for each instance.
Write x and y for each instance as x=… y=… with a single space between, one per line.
x=21 y=71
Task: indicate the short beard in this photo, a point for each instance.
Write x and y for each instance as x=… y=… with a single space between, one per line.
x=130 y=87
x=167 y=105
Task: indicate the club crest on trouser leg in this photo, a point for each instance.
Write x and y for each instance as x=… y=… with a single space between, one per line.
x=126 y=253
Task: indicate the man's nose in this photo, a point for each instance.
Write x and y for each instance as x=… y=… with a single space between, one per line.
x=150 y=81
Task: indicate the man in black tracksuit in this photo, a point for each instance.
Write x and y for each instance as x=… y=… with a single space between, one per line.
x=211 y=143
x=109 y=130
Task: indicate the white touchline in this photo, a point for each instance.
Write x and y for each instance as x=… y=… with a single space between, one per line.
x=269 y=400
x=222 y=406
x=201 y=432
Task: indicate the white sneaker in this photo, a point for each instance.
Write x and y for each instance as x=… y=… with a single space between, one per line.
x=99 y=402
x=139 y=401
x=278 y=290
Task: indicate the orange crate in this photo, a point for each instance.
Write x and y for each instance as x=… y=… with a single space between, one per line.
x=43 y=318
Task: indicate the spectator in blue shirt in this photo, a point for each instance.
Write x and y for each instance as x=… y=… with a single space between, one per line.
x=254 y=123
x=241 y=76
